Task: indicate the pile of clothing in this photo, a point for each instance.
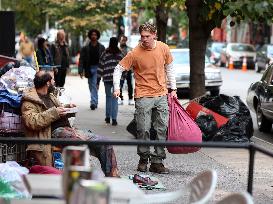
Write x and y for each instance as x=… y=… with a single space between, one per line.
x=14 y=79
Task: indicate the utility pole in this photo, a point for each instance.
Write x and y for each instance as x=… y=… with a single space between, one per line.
x=47 y=23
x=128 y=19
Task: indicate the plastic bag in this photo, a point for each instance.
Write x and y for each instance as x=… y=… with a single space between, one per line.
x=17 y=79
x=12 y=182
x=240 y=126
x=236 y=130
x=181 y=128
x=195 y=110
x=224 y=105
x=208 y=126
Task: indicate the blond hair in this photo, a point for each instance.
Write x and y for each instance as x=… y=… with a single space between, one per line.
x=147 y=27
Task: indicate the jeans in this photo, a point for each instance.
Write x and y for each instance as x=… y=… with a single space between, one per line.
x=92 y=82
x=111 y=101
x=152 y=110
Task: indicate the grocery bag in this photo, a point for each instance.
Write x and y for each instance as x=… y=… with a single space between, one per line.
x=182 y=128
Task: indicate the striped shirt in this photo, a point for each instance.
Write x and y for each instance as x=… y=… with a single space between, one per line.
x=107 y=64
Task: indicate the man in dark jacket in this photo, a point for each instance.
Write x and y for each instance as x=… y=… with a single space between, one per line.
x=88 y=65
x=60 y=54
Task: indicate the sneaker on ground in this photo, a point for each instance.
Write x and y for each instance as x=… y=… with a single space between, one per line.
x=131 y=102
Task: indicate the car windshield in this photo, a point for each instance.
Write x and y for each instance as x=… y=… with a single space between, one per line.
x=242 y=48
x=217 y=47
x=183 y=57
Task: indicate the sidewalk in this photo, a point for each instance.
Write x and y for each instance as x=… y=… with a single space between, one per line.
x=230 y=164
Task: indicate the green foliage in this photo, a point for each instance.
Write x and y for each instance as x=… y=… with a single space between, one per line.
x=78 y=16
x=214 y=11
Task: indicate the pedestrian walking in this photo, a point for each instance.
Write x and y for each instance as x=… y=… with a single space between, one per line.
x=126 y=74
x=88 y=64
x=108 y=61
x=43 y=53
x=26 y=50
x=152 y=65
x=60 y=55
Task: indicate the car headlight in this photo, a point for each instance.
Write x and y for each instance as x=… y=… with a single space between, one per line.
x=213 y=76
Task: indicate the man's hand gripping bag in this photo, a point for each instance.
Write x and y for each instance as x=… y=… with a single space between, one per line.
x=182 y=128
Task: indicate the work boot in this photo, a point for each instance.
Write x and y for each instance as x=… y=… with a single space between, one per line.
x=142 y=165
x=159 y=168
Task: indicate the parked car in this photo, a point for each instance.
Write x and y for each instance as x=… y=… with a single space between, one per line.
x=213 y=77
x=264 y=57
x=237 y=52
x=216 y=49
x=260 y=100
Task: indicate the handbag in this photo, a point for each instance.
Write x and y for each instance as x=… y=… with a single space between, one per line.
x=181 y=128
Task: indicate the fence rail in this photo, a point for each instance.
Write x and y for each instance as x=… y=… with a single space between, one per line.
x=253 y=148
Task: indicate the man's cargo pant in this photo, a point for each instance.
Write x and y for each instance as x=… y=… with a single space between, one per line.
x=152 y=110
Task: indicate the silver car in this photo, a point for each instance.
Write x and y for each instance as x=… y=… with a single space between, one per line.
x=237 y=52
x=213 y=78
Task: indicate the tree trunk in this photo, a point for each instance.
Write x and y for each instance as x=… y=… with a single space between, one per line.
x=198 y=35
x=162 y=15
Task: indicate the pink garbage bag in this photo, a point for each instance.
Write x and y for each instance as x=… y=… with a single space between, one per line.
x=182 y=128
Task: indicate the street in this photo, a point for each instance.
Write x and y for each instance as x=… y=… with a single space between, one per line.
x=230 y=164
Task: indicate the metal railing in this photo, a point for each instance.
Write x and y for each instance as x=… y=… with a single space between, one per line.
x=65 y=142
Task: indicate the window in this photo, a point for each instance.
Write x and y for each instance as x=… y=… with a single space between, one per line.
x=242 y=48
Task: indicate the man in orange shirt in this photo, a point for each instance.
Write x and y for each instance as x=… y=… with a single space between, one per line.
x=151 y=61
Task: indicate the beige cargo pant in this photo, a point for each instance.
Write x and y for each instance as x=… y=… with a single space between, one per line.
x=152 y=110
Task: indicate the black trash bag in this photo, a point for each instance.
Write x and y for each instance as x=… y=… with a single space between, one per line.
x=6 y=68
x=245 y=117
x=240 y=125
x=239 y=128
x=131 y=128
x=224 y=105
x=207 y=125
x=236 y=130
x=205 y=99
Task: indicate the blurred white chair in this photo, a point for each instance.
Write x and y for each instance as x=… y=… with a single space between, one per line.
x=237 y=198
x=200 y=190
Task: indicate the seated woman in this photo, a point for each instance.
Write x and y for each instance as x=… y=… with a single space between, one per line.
x=45 y=118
